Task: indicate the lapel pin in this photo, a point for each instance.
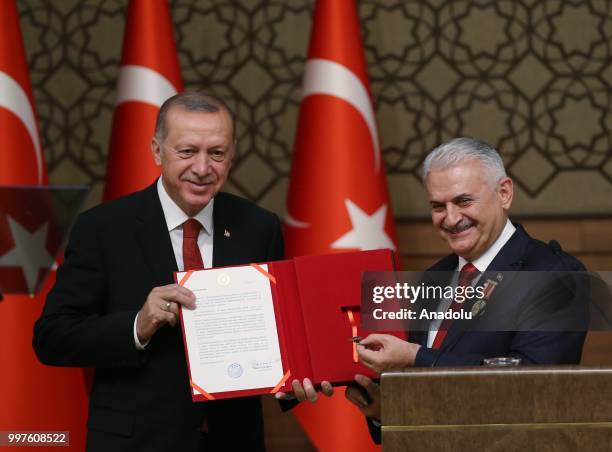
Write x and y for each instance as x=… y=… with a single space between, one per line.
x=226 y=233
x=480 y=305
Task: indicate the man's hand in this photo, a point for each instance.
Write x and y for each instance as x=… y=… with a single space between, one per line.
x=366 y=397
x=161 y=308
x=306 y=392
x=382 y=351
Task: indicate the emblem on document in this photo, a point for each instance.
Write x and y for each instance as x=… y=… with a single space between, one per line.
x=480 y=304
x=234 y=370
x=223 y=279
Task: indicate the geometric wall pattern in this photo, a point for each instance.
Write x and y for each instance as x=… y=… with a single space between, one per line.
x=533 y=77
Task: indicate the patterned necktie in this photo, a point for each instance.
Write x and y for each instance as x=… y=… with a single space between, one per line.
x=466 y=276
x=192 y=258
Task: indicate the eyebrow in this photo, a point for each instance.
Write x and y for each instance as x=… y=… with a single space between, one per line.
x=455 y=200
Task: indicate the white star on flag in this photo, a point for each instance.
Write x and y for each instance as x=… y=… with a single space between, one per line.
x=368 y=231
x=30 y=252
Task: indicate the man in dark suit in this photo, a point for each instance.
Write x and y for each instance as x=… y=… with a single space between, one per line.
x=470 y=195
x=114 y=306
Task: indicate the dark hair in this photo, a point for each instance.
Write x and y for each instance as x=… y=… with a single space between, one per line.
x=191 y=101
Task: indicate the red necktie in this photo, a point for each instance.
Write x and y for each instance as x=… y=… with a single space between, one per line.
x=466 y=276
x=192 y=258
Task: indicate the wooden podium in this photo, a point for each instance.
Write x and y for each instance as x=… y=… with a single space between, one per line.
x=561 y=408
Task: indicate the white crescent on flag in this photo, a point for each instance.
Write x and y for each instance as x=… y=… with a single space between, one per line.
x=142 y=84
x=331 y=78
x=290 y=221
x=328 y=77
x=15 y=100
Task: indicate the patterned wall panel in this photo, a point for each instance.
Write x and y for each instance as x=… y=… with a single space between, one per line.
x=534 y=77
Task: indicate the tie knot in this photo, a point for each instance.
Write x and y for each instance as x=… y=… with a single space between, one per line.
x=467 y=274
x=191 y=228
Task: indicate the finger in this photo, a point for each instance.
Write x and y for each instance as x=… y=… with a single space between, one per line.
x=170 y=312
x=168 y=306
x=376 y=341
x=173 y=308
x=372 y=365
x=355 y=397
x=284 y=396
x=169 y=318
x=311 y=392
x=368 y=384
x=177 y=294
x=174 y=288
x=367 y=357
x=158 y=319
x=173 y=320
x=327 y=388
x=298 y=390
x=363 y=380
x=373 y=339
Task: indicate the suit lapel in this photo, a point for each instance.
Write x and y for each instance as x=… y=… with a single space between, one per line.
x=224 y=248
x=509 y=259
x=512 y=255
x=153 y=238
x=507 y=263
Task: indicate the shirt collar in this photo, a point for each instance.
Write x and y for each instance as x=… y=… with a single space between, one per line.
x=483 y=261
x=175 y=216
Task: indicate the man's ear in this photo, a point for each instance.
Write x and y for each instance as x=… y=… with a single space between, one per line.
x=156 y=151
x=505 y=191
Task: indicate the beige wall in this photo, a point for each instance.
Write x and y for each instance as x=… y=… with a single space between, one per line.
x=588 y=239
x=532 y=77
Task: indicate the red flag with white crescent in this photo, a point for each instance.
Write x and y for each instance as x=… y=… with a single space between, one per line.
x=32 y=396
x=149 y=74
x=338 y=198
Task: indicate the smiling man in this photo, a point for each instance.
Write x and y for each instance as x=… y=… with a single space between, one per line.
x=469 y=205
x=114 y=306
x=470 y=196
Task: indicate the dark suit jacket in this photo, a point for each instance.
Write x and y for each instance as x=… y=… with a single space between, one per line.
x=535 y=341
x=535 y=314
x=140 y=400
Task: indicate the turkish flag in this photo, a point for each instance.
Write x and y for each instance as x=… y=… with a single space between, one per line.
x=30 y=238
x=338 y=198
x=149 y=74
x=32 y=396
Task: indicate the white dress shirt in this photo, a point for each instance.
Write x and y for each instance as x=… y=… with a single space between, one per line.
x=482 y=263
x=175 y=217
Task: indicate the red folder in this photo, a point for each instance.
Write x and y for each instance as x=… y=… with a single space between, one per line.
x=317 y=309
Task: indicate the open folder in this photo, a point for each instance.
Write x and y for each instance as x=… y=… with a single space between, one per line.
x=257 y=327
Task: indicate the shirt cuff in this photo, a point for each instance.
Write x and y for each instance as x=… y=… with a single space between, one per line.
x=137 y=343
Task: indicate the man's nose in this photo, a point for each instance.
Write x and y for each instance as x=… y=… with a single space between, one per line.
x=201 y=164
x=453 y=215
